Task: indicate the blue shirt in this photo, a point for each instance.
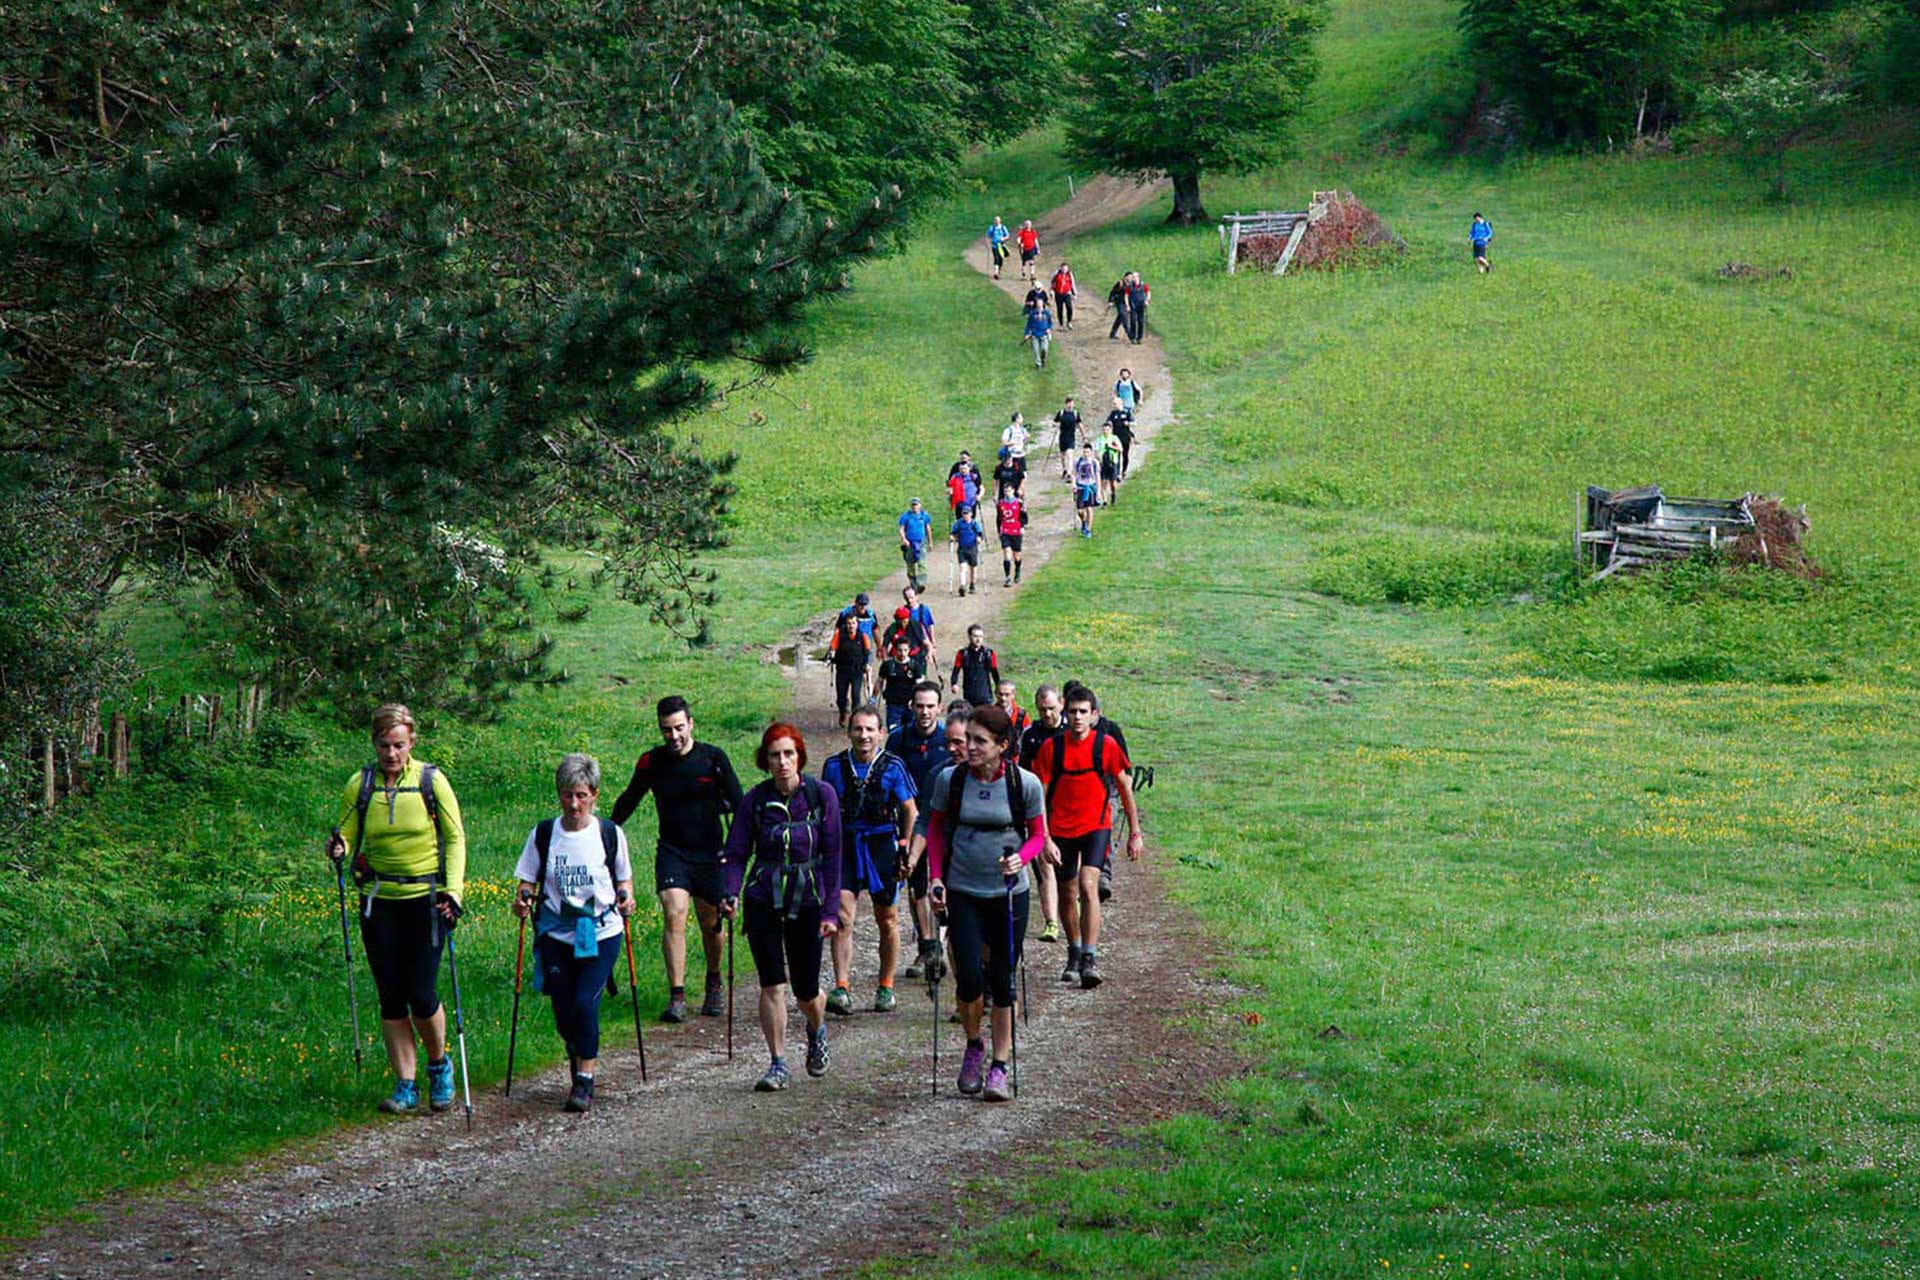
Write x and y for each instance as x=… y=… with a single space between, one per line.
x=866 y=621
x=997 y=234
x=1039 y=323
x=967 y=533
x=1481 y=232
x=922 y=615
x=895 y=783
x=916 y=525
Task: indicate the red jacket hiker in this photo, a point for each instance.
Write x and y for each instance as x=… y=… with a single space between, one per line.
x=1027 y=238
x=1063 y=282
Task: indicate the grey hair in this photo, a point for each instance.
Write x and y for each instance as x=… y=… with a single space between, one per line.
x=577 y=770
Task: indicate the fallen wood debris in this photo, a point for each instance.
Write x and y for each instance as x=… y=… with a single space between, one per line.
x=1626 y=530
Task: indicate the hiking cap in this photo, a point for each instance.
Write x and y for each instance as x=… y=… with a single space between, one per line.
x=861 y=598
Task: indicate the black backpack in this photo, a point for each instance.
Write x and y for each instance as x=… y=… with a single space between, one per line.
x=860 y=792
x=1016 y=798
x=1060 y=770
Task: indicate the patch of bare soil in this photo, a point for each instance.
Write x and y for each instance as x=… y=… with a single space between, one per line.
x=694 y=1175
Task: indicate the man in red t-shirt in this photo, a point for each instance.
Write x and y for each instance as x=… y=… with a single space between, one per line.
x=1029 y=241
x=1076 y=766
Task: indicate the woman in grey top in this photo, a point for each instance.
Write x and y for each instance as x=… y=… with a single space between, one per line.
x=986 y=822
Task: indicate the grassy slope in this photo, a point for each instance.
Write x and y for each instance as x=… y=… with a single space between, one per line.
x=1622 y=966
x=248 y=1046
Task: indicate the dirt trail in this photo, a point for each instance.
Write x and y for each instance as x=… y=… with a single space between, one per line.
x=693 y=1175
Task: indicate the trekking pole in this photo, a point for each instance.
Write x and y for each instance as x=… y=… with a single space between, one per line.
x=633 y=987
x=729 y=988
x=513 y=1034
x=460 y=1029
x=1013 y=1023
x=346 y=946
x=933 y=990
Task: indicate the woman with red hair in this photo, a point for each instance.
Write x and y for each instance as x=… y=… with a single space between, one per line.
x=783 y=857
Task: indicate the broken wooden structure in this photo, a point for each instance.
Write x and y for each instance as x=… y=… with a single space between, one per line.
x=1625 y=530
x=1291 y=225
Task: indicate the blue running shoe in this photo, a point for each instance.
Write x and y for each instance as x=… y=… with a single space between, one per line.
x=405 y=1099
x=440 y=1084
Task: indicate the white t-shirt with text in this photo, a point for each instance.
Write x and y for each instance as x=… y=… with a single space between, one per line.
x=577 y=874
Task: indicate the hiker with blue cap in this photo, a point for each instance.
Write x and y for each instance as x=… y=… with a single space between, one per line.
x=915 y=527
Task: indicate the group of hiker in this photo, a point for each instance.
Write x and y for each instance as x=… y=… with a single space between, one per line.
x=966 y=804
x=1049 y=303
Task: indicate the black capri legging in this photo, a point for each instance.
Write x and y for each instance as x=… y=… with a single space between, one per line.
x=786 y=950
x=403 y=950
x=979 y=925
x=846 y=686
x=1063 y=308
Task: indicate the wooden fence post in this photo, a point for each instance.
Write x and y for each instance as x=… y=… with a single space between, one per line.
x=119 y=740
x=47 y=792
x=213 y=715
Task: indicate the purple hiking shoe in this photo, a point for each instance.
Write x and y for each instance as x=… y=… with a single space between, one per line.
x=970 y=1063
x=997 y=1090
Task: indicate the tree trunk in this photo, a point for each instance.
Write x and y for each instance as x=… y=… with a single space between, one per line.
x=1187 y=208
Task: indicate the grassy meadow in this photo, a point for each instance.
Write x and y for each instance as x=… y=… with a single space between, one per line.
x=1576 y=926
x=195 y=1009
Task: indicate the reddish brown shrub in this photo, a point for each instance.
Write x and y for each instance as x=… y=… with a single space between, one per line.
x=1776 y=540
x=1348 y=234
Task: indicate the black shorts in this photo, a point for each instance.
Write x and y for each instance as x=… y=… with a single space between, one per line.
x=784 y=950
x=1480 y=252
x=1094 y=849
x=969 y=555
x=1028 y=255
x=885 y=860
x=1108 y=471
x=1011 y=541
x=403 y=949
x=698 y=875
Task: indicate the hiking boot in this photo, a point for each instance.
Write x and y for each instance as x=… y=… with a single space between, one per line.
x=775 y=1079
x=996 y=1089
x=817 y=1058
x=970 y=1063
x=403 y=1101
x=1106 y=883
x=840 y=1002
x=884 y=1000
x=676 y=1010
x=1051 y=933
x=913 y=966
x=440 y=1084
x=1008 y=582
x=1072 y=972
x=580 y=1098
x=715 y=1003
x=1089 y=973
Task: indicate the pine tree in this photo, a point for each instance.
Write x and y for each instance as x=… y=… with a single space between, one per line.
x=349 y=318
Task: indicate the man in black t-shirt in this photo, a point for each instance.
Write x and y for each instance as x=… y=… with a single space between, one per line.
x=921 y=745
x=1067 y=423
x=694 y=792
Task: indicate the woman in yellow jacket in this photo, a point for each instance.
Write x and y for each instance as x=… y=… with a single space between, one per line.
x=401 y=822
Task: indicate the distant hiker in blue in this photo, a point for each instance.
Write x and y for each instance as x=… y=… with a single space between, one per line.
x=915 y=526
x=966 y=533
x=997 y=236
x=1481 y=233
x=1040 y=334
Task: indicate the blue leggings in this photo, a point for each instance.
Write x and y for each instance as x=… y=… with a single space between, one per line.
x=574 y=985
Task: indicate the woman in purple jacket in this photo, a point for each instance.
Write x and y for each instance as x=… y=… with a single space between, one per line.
x=788 y=829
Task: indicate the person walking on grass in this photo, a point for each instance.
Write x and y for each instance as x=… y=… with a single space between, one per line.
x=400 y=825
x=1117 y=300
x=876 y=816
x=1086 y=487
x=576 y=882
x=966 y=533
x=782 y=869
x=1010 y=514
x=1127 y=392
x=851 y=652
x=1077 y=765
x=1138 y=296
x=1111 y=727
x=1108 y=450
x=1480 y=235
x=987 y=822
x=1063 y=291
x=1048 y=709
x=915 y=527
x=694 y=790
x=1029 y=241
x=1066 y=424
x=1039 y=335
x=976 y=669
x=921 y=745
x=1121 y=428
x=997 y=235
